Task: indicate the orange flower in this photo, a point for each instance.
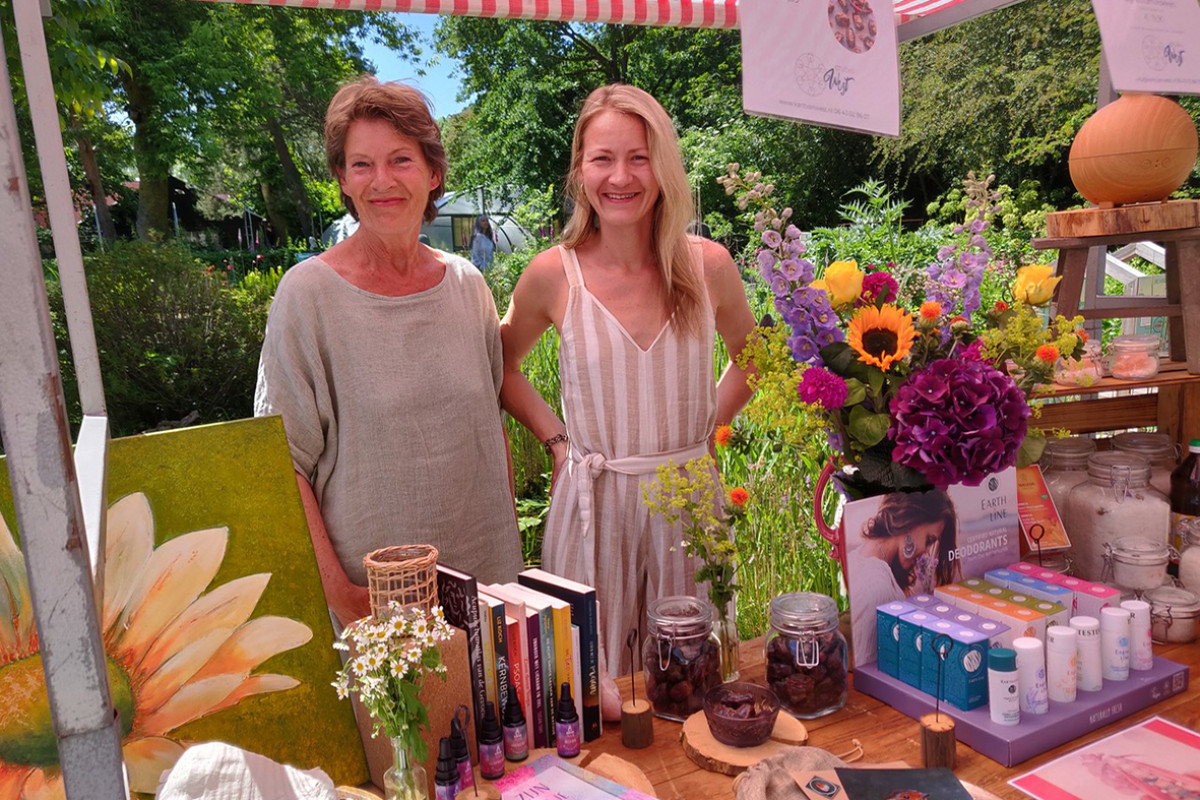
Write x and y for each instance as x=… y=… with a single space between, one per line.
x=738 y=496
x=931 y=310
x=723 y=435
x=1001 y=306
x=881 y=335
x=1047 y=353
x=1083 y=335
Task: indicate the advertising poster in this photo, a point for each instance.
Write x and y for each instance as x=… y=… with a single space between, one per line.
x=832 y=63
x=1151 y=45
x=907 y=543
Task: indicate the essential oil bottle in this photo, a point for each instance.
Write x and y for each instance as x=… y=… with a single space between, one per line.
x=446 y=783
x=462 y=754
x=491 y=744
x=516 y=737
x=566 y=724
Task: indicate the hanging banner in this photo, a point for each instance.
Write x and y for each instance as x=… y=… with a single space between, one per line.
x=831 y=63
x=1151 y=45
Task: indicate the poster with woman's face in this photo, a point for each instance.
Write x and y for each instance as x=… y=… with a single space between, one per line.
x=909 y=543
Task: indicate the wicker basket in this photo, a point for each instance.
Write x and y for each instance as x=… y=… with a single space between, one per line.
x=406 y=575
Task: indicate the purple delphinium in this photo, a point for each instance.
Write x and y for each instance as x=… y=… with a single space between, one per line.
x=805 y=310
x=821 y=387
x=958 y=421
x=954 y=279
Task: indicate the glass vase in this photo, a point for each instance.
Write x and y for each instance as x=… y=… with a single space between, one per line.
x=405 y=779
x=727 y=634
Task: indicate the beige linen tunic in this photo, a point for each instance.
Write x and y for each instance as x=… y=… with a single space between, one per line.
x=391 y=407
x=627 y=410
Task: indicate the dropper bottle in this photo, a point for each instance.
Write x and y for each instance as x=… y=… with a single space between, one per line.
x=566 y=724
x=462 y=753
x=446 y=783
x=491 y=744
x=516 y=737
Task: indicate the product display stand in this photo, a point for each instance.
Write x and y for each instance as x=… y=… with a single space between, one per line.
x=1174 y=224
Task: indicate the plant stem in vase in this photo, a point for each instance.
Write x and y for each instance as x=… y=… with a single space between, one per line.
x=406 y=778
x=727 y=635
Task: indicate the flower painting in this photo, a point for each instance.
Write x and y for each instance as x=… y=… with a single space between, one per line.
x=202 y=641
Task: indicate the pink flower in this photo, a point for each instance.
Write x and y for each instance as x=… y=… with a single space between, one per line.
x=821 y=387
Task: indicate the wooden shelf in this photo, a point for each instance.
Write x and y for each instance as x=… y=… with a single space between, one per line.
x=1170 y=402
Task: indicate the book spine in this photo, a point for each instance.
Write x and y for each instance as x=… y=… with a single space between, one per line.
x=500 y=645
x=463 y=612
x=489 y=653
x=536 y=713
x=564 y=672
x=515 y=666
x=546 y=624
x=576 y=677
x=585 y=614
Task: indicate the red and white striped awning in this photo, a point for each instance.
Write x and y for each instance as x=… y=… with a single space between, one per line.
x=931 y=14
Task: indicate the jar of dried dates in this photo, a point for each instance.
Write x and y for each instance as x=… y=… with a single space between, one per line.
x=806 y=655
x=681 y=657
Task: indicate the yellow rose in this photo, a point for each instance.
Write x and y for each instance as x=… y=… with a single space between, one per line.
x=842 y=282
x=1035 y=284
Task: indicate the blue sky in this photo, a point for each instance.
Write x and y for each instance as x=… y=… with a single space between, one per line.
x=438 y=83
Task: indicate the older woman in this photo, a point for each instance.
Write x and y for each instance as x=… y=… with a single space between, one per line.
x=384 y=358
x=637 y=303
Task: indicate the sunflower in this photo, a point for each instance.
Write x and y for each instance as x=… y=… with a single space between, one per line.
x=881 y=335
x=173 y=654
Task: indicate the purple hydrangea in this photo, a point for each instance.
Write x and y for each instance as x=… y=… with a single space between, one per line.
x=957 y=421
x=820 y=386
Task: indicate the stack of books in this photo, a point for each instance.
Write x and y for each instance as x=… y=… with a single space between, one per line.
x=526 y=639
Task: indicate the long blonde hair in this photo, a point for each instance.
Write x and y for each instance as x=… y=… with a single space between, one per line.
x=673 y=252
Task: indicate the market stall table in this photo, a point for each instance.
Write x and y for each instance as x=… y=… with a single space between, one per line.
x=884 y=733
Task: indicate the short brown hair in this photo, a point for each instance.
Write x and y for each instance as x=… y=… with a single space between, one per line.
x=408 y=112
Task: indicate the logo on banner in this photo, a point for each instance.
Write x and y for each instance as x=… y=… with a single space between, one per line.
x=1159 y=54
x=814 y=78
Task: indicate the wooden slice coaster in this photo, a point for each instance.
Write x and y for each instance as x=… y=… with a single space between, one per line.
x=707 y=752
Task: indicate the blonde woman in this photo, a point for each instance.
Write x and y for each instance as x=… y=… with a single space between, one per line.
x=637 y=303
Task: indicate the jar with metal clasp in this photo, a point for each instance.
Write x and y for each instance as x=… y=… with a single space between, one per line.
x=806 y=655
x=681 y=658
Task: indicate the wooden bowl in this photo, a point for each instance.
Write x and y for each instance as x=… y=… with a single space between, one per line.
x=1137 y=149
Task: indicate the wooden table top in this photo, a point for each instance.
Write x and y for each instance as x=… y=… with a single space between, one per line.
x=884 y=733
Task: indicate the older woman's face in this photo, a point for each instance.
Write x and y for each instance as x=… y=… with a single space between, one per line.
x=925 y=540
x=387 y=176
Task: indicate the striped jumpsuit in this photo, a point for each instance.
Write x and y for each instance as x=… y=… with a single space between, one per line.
x=627 y=411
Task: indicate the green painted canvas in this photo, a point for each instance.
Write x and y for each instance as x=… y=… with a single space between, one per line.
x=214 y=619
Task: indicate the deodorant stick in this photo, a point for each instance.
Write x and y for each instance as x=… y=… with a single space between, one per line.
x=1060 y=663
x=1031 y=675
x=1114 y=642
x=1141 y=657
x=1089 y=670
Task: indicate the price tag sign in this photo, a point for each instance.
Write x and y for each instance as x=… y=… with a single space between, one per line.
x=830 y=62
x=1151 y=45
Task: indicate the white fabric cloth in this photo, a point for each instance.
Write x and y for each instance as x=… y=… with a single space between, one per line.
x=220 y=771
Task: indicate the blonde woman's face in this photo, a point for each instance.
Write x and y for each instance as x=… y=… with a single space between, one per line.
x=615 y=169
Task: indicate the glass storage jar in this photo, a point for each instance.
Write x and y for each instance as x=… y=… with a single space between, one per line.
x=1064 y=466
x=1157 y=448
x=806 y=655
x=1116 y=500
x=1173 y=613
x=1189 y=560
x=681 y=657
x=1083 y=371
x=1137 y=564
x=1134 y=357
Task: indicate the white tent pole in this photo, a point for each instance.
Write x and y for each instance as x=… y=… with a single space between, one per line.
x=33 y=424
x=92 y=452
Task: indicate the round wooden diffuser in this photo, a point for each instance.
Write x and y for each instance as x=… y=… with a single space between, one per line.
x=1137 y=149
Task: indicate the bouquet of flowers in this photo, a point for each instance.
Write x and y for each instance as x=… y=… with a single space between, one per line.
x=910 y=399
x=391 y=654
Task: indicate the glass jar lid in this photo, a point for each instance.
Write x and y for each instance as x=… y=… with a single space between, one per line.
x=1157 y=448
x=1069 y=453
x=1115 y=467
x=804 y=612
x=1136 y=550
x=1174 y=601
x=1135 y=343
x=680 y=617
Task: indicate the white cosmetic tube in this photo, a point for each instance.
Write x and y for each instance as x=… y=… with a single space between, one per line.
x=1141 y=656
x=1114 y=642
x=1061 y=663
x=1031 y=674
x=1004 y=701
x=1089 y=667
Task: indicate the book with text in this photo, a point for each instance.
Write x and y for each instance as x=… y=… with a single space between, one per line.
x=552 y=778
x=458 y=594
x=540 y=604
x=494 y=619
x=514 y=606
x=584 y=613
